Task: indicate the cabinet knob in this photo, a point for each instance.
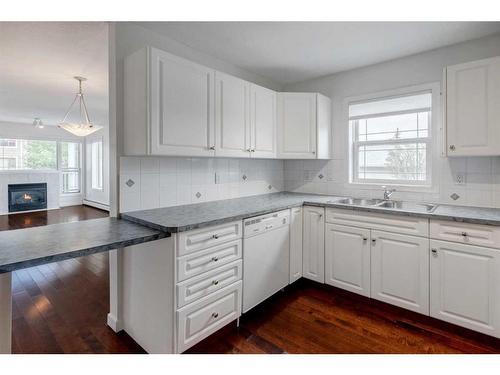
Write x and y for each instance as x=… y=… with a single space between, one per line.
x=314 y=152
x=215 y=259
x=215 y=315
x=464 y=234
x=252 y=150
x=215 y=236
x=215 y=282
x=434 y=252
x=249 y=150
x=212 y=147
x=452 y=147
x=374 y=241
x=365 y=239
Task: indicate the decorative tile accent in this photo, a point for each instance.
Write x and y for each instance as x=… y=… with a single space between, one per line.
x=198 y=195
x=130 y=182
x=454 y=196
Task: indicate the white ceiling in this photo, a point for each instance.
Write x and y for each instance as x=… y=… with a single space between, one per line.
x=288 y=52
x=37 y=63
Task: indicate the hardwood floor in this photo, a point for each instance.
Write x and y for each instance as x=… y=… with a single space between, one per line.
x=62 y=308
x=313 y=318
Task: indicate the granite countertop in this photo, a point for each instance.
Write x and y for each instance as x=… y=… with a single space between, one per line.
x=22 y=248
x=192 y=216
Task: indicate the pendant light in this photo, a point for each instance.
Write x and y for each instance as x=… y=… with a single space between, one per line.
x=81 y=125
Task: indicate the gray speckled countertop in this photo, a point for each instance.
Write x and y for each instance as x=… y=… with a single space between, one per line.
x=187 y=217
x=22 y=248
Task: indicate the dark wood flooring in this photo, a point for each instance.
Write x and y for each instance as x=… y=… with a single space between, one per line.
x=62 y=308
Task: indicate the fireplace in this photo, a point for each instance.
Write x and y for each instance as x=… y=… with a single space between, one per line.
x=26 y=197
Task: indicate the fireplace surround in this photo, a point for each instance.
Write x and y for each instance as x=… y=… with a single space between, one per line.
x=27 y=197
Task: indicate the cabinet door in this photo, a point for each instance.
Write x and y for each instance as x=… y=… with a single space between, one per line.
x=472 y=110
x=232 y=116
x=297 y=126
x=313 y=265
x=347 y=258
x=400 y=270
x=296 y=244
x=181 y=105
x=465 y=286
x=263 y=122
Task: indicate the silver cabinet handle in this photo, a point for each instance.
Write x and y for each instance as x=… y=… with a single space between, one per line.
x=452 y=147
x=365 y=239
x=215 y=282
x=434 y=252
x=464 y=234
x=215 y=236
x=215 y=315
x=215 y=259
x=374 y=241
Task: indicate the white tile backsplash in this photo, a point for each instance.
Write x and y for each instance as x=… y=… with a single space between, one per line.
x=171 y=181
x=481 y=186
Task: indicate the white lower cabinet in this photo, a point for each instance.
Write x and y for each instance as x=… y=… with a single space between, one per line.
x=465 y=286
x=313 y=264
x=202 y=318
x=295 y=244
x=347 y=258
x=400 y=270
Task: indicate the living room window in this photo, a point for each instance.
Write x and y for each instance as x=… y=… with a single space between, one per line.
x=391 y=139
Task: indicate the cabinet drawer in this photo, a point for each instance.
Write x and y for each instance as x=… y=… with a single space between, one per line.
x=202 y=318
x=472 y=234
x=208 y=259
x=202 y=285
x=387 y=222
x=202 y=238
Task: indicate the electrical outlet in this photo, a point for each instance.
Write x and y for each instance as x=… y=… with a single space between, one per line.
x=460 y=179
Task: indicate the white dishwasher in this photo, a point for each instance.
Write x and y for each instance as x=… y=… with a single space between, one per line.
x=266 y=256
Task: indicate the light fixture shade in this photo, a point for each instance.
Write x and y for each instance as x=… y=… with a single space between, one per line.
x=80 y=130
x=76 y=120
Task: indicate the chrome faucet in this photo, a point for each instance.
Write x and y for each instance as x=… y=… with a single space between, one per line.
x=387 y=193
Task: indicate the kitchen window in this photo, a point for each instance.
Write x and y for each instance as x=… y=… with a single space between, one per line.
x=391 y=139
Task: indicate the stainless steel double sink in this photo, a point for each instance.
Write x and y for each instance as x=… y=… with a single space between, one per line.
x=389 y=204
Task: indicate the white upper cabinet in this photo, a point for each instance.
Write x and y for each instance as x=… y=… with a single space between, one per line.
x=232 y=116
x=168 y=105
x=472 y=108
x=304 y=126
x=263 y=122
x=175 y=107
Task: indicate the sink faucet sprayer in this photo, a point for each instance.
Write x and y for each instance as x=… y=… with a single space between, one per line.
x=387 y=193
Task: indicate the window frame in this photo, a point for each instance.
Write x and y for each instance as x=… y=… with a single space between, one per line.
x=62 y=169
x=100 y=164
x=432 y=141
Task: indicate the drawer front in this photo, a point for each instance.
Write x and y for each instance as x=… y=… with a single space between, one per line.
x=202 y=285
x=386 y=222
x=208 y=259
x=202 y=318
x=199 y=239
x=472 y=234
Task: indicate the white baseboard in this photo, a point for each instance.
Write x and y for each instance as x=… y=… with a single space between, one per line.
x=99 y=205
x=70 y=200
x=114 y=323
